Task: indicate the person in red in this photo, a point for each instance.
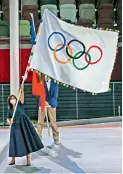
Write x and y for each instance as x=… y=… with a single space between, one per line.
x=51 y=91
x=47 y=89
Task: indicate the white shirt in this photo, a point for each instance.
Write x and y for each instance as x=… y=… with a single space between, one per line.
x=48 y=84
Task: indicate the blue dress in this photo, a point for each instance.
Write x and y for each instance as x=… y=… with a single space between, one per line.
x=23 y=136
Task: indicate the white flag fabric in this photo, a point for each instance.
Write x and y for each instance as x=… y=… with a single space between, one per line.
x=74 y=55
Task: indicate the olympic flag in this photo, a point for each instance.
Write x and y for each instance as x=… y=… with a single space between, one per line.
x=74 y=55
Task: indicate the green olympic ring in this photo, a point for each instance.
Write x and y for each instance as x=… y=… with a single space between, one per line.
x=80 y=52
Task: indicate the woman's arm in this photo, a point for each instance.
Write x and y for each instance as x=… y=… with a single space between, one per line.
x=9 y=117
x=22 y=94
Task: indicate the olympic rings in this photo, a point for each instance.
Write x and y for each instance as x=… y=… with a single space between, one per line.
x=92 y=63
x=69 y=52
x=62 y=37
x=86 y=65
x=60 y=60
x=74 y=40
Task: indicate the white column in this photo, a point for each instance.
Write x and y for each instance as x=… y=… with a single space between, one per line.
x=14 y=46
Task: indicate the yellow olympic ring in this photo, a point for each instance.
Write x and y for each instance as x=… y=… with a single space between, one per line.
x=68 y=60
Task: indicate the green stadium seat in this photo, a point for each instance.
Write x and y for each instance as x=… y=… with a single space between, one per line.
x=86 y=1
x=87 y=11
x=68 y=21
x=68 y=12
x=67 y=2
x=29 y=2
x=52 y=8
x=24 y=28
x=4 y=28
x=44 y=2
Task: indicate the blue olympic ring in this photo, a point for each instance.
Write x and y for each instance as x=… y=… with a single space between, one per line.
x=64 y=44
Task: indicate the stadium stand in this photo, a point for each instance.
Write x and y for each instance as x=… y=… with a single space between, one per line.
x=27 y=9
x=85 y=22
x=67 y=2
x=86 y=1
x=29 y=2
x=68 y=12
x=51 y=7
x=4 y=28
x=24 y=28
x=44 y=2
x=87 y=13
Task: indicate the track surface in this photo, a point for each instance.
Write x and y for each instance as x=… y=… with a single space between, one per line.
x=85 y=149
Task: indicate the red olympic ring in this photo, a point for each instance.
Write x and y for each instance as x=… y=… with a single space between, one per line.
x=94 y=46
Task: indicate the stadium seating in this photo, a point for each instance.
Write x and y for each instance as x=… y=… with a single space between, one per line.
x=27 y=9
x=105 y=2
x=44 y=2
x=4 y=28
x=106 y=11
x=68 y=21
x=6 y=13
x=119 y=1
x=29 y=2
x=67 y=2
x=119 y=13
x=86 y=1
x=24 y=28
x=87 y=11
x=105 y=23
x=5 y=3
x=85 y=22
x=68 y=12
x=52 y=8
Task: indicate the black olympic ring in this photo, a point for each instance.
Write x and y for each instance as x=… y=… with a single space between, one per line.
x=82 y=52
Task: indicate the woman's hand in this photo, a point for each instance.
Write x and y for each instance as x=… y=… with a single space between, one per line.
x=47 y=103
x=9 y=122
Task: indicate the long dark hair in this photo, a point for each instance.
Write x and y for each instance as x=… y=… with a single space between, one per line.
x=10 y=106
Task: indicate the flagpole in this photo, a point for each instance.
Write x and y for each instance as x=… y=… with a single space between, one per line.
x=18 y=98
x=21 y=84
x=47 y=120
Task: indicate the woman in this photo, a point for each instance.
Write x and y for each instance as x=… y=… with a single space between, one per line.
x=23 y=137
